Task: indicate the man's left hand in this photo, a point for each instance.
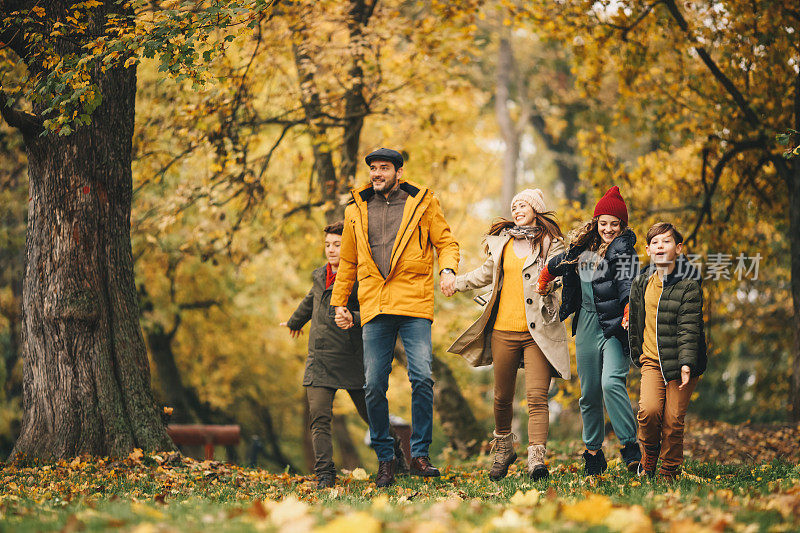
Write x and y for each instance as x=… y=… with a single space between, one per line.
x=343 y=318
x=447 y=282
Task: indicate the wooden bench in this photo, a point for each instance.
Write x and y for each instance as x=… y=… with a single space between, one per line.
x=208 y=435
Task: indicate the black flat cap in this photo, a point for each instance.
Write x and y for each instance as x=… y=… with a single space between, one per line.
x=384 y=154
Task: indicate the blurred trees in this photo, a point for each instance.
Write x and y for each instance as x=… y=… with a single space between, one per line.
x=251 y=143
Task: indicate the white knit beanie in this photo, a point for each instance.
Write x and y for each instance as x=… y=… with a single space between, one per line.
x=533 y=197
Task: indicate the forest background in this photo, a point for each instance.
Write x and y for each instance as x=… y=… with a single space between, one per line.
x=251 y=123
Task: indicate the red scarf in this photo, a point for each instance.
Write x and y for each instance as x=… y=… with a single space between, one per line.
x=330 y=276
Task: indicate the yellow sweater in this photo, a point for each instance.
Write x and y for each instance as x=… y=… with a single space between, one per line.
x=652 y=293
x=511 y=307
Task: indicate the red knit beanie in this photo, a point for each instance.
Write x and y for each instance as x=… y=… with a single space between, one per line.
x=612 y=204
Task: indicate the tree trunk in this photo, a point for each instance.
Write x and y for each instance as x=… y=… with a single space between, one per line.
x=86 y=379
x=13 y=387
x=347 y=448
x=169 y=378
x=273 y=449
x=507 y=126
x=324 y=167
x=791 y=172
x=458 y=420
x=355 y=104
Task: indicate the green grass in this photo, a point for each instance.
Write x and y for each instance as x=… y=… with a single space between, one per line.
x=142 y=495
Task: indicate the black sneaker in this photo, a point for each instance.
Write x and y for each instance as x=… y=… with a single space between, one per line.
x=641 y=472
x=594 y=465
x=325 y=481
x=631 y=456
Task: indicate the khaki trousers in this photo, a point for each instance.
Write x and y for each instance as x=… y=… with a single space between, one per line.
x=320 y=405
x=508 y=349
x=662 y=409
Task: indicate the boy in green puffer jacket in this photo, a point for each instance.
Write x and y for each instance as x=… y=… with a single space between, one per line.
x=667 y=340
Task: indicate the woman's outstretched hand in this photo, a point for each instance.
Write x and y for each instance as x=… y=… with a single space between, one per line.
x=545 y=279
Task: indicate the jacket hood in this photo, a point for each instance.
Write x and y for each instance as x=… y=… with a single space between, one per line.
x=684 y=269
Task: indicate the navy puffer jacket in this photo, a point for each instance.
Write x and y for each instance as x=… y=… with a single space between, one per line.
x=611 y=284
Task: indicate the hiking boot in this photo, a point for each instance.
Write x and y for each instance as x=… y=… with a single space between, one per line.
x=325 y=480
x=504 y=455
x=385 y=475
x=594 y=465
x=421 y=466
x=631 y=456
x=669 y=474
x=400 y=462
x=649 y=462
x=536 y=468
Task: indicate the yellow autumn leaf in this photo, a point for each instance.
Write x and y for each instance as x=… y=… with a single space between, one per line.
x=359 y=474
x=136 y=454
x=593 y=509
x=629 y=520
x=525 y=499
x=360 y=521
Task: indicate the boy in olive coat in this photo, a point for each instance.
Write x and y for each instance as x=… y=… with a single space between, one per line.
x=667 y=340
x=335 y=357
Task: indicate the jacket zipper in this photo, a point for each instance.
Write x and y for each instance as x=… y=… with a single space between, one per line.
x=414 y=212
x=658 y=351
x=419 y=232
x=630 y=346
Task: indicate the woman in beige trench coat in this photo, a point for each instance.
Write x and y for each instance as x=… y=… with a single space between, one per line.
x=518 y=326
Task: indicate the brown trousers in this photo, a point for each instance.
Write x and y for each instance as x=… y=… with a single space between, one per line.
x=662 y=409
x=320 y=404
x=508 y=349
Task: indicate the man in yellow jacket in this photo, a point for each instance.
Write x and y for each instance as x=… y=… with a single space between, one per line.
x=391 y=228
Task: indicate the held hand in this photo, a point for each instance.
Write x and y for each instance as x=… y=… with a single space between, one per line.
x=545 y=282
x=293 y=332
x=685 y=375
x=447 y=283
x=343 y=318
x=625 y=316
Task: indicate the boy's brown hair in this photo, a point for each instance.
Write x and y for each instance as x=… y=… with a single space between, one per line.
x=336 y=228
x=662 y=227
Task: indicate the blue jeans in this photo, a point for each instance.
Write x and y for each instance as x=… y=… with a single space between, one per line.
x=380 y=337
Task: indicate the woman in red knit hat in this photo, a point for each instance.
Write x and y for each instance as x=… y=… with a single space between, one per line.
x=597 y=270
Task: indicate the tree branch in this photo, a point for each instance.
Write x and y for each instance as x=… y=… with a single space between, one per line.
x=625 y=30
x=705 y=210
x=726 y=82
x=28 y=123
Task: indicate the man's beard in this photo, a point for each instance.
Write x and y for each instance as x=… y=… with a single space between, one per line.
x=387 y=184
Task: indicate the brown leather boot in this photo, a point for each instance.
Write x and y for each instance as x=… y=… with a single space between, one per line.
x=421 y=466
x=504 y=456
x=385 y=475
